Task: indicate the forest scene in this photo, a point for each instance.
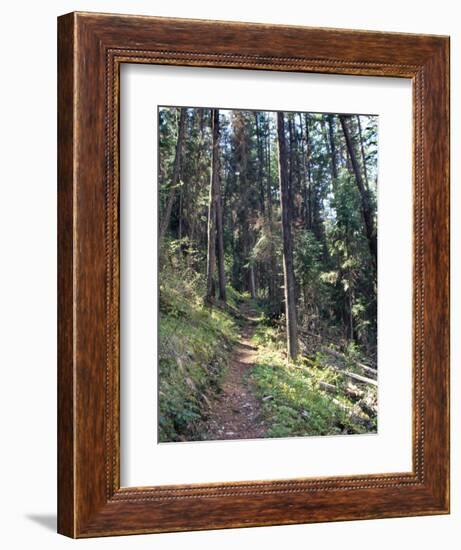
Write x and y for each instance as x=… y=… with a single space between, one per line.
x=267 y=258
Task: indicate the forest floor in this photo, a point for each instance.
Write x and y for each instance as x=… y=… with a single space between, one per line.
x=224 y=374
x=236 y=412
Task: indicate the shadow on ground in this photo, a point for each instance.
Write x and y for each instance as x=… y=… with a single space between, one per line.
x=47 y=521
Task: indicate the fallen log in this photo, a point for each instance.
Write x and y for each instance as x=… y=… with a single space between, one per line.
x=356 y=418
x=329 y=388
x=368 y=370
x=355 y=395
x=338 y=355
x=318 y=336
x=354 y=376
x=367 y=408
x=354 y=392
x=359 y=378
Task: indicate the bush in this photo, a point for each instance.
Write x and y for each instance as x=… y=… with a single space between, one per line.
x=194 y=344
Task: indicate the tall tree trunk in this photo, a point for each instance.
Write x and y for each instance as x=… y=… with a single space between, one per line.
x=252 y=282
x=290 y=305
x=362 y=150
x=351 y=317
x=291 y=165
x=217 y=193
x=211 y=252
x=261 y=166
x=334 y=161
x=180 y=214
x=260 y=157
x=298 y=195
x=196 y=184
x=367 y=211
x=316 y=221
x=308 y=188
x=175 y=176
x=273 y=275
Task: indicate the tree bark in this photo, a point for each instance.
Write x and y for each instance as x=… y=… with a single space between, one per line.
x=211 y=251
x=370 y=229
x=217 y=193
x=308 y=187
x=290 y=305
x=291 y=165
x=273 y=275
x=175 y=176
x=362 y=150
x=260 y=156
x=252 y=282
x=331 y=135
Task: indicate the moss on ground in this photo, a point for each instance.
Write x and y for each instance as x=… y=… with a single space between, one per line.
x=194 y=346
x=195 y=343
x=293 y=402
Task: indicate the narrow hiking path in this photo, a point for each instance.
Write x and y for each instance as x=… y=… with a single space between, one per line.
x=236 y=412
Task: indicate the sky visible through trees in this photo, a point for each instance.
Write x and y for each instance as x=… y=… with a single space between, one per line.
x=267 y=273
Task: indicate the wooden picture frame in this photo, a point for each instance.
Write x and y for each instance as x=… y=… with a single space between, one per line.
x=91 y=49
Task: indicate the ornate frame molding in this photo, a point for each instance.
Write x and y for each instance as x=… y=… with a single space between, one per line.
x=91 y=49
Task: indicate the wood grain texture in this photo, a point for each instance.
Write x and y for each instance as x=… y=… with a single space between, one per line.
x=66 y=487
x=91 y=49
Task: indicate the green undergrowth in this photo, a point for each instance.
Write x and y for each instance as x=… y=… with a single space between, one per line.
x=293 y=403
x=194 y=346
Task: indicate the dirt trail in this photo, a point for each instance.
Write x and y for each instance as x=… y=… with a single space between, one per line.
x=236 y=413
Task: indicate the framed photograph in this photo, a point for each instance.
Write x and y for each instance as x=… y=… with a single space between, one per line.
x=253 y=259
